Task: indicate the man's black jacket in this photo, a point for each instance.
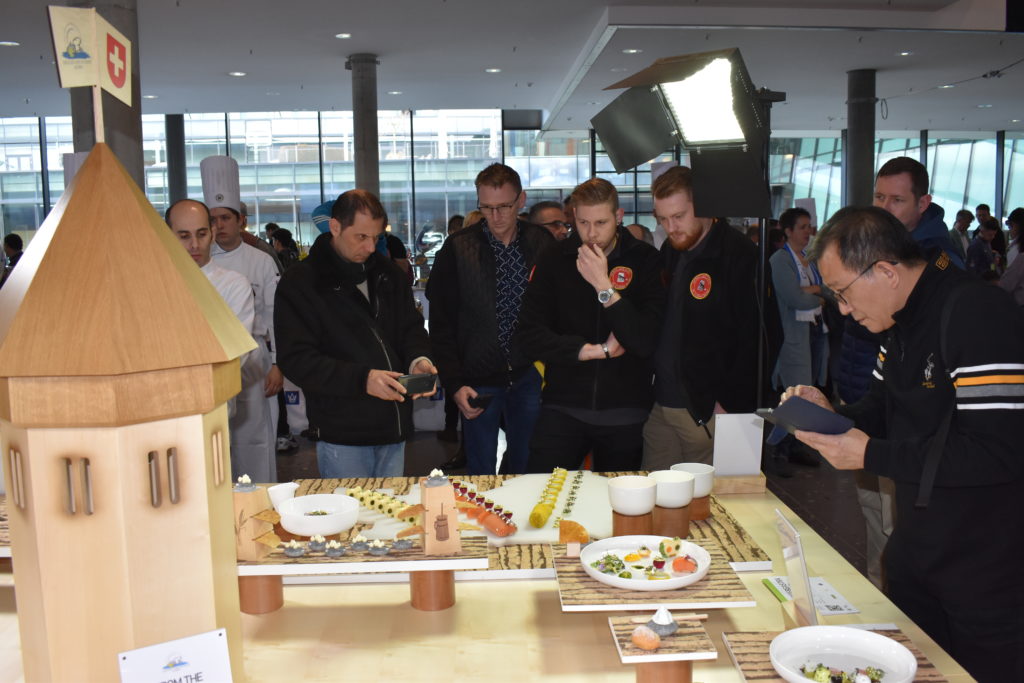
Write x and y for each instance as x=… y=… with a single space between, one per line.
x=330 y=337
x=463 y=321
x=720 y=322
x=561 y=313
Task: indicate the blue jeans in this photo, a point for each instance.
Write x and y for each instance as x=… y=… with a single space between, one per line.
x=336 y=461
x=519 y=404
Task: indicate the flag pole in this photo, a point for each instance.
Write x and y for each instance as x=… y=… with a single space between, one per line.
x=97 y=113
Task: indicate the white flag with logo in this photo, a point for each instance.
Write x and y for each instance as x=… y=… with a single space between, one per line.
x=89 y=51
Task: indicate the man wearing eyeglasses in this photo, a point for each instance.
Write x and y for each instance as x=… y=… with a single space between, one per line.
x=549 y=215
x=949 y=382
x=475 y=291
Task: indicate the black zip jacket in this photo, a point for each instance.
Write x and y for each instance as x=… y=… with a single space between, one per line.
x=561 y=313
x=463 y=322
x=720 y=322
x=975 y=520
x=331 y=337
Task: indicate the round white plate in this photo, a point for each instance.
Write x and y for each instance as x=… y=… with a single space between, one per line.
x=623 y=545
x=840 y=647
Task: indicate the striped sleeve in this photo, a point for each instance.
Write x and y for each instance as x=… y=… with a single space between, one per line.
x=994 y=386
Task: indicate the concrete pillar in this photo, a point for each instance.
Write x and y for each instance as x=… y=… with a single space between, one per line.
x=859 y=152
x=122 y=124
x=177 y=180
x=364 y=120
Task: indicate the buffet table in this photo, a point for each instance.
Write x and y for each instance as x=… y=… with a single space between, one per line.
x=507 y=629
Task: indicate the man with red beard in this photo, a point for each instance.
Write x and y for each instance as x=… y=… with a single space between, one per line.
x=706 y=362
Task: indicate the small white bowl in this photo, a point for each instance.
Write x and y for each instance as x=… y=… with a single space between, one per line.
x=840 y=647
x=341 y=514
x=674 y=488
x=632 y=494
x=703 y=478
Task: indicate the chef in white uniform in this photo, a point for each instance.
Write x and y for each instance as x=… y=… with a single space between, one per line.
x=254 y=426
x=189 y=220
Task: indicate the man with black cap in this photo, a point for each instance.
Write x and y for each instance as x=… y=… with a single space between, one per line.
x=348 y=329
x=221 y=191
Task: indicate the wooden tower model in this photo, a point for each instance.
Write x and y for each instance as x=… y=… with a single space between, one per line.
x=117 y=358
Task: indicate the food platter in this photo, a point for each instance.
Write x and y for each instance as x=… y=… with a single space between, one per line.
x=624 y=547
x=842 y=648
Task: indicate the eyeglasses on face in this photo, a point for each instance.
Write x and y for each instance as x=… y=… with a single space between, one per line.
x=839 y=292
x=500 y=208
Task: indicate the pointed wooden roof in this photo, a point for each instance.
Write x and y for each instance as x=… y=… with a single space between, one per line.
x=105 y=288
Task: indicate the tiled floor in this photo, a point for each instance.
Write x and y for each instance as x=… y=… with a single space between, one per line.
x=822 y=496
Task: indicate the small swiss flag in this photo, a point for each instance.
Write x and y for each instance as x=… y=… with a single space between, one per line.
x=117 y=62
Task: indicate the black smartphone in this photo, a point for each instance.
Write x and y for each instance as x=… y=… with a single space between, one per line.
x=418 y=384
x=480 y=401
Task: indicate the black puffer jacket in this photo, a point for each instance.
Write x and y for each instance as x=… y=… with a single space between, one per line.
x=561 y=313
x=463 y=321
x=330 y=337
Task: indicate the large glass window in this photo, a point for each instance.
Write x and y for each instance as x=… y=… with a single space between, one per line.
x=450 y=147
x=1013 y=172
x=806 y=168
x=962 y=172
x=21 y=182
x=551 y=164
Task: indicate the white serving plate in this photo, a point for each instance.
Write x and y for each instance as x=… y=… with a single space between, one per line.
x=843 y=648
x=623 y=545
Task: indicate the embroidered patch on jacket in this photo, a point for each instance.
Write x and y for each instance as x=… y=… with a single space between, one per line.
x=943 y=261
x=700 y=286
x=621 y=276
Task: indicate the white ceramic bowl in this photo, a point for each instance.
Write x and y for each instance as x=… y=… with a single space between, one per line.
x=622 y=545
x=341 y=514
x=840 y=647
x=674 y=488
x=632 y=494
x=703 y=478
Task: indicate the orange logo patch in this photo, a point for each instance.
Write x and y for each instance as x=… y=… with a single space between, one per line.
x=621 y=276
x=700 y=286
x=943 y=261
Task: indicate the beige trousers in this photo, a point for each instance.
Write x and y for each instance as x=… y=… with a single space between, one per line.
x=671 y=436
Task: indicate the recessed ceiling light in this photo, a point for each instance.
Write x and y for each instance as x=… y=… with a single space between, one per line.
x=904 y=53
x=394 y=92
x=236 y=74
x=631 y=51
x=946 y=87
x=342 y=36
x=493 y=71
x=1014 y=120
x=149 y=97
x=984 y=106
x=9 y=43
x=271 y=93
x=619 y=69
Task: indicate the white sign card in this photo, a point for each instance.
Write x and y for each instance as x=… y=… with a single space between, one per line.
x=201 y=658
x=827 y=600
x=738 y=439
x=796 y=568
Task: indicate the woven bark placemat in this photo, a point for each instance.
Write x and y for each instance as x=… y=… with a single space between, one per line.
x=691 y=641
x=719 y=589
x=749 y=652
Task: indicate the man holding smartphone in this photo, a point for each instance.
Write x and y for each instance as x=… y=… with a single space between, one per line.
x=348 y=330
